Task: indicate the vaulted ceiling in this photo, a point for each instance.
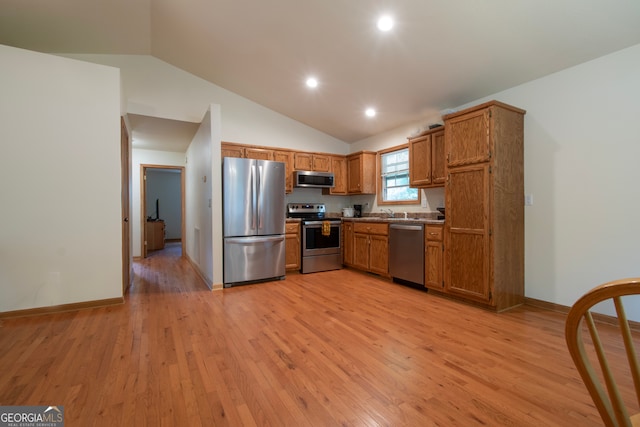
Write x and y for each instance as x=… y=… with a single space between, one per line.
x=440 y=54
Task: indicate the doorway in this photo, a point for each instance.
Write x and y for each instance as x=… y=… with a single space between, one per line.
x=162 y=199
x=125 y=194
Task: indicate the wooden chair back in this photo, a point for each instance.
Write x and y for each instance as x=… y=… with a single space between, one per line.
x=610 y=404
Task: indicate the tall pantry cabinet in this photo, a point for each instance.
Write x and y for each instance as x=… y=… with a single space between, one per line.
x=484 y=201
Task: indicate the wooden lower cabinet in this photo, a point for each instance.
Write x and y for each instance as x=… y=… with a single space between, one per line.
x=292 y=246
x=469 y=240
x=347 y=243
x=379 y=254
x=361 y=251
x=155 y=235
x=371 y=247
x=434 y=257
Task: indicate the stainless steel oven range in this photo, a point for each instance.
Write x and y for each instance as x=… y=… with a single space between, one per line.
x=321 y=250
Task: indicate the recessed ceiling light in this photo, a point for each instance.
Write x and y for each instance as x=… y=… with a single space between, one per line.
x=312 y=82
x=385 y=23
x=370 y=112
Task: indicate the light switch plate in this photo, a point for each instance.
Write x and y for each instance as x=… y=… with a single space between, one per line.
x=528 y=199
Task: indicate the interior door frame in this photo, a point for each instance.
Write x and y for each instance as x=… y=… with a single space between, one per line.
x=143 y=205
x=125 y=195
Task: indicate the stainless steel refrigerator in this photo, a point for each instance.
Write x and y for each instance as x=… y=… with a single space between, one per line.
x=253 y=220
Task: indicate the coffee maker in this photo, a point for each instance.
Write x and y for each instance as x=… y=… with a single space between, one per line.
x=357 y=211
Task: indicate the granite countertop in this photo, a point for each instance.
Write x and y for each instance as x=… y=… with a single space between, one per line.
x=396 y=220
x=382 y=219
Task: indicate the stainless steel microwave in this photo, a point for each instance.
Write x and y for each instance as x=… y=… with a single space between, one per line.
x=314 y=179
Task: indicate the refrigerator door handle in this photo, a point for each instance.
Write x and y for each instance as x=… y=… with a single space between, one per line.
x=254 y=195
x=254 y=240
x=260 y=206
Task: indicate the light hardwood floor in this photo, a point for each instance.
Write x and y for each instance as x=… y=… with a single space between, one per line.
x=338 y=348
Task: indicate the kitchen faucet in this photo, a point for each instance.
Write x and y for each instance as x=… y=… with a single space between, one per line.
x=389 y=212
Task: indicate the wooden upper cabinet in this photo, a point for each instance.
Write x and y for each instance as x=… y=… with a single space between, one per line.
x=438 y=174
x=258 y=153
x=321 y=163
x=302 y=161
x=427 y=160
x=471 y=135
x=339 y=169
x=231 y=150
x=311 y=162
x=420 y=161
x=361 y=173
x=286 y=157
x=353 y=174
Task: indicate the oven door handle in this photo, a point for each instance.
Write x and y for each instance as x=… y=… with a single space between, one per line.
x=318 y=224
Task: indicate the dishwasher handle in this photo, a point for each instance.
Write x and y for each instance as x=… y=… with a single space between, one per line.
x=406 y=227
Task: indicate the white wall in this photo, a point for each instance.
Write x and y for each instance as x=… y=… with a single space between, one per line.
x=581 y=164
x=199 y=190
x=582 y=148
x=216 y=193
x=156 y=88
x=146 y=157
x=60 y=234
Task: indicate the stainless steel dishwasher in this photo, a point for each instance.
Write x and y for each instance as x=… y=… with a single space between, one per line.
x=406 y=252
